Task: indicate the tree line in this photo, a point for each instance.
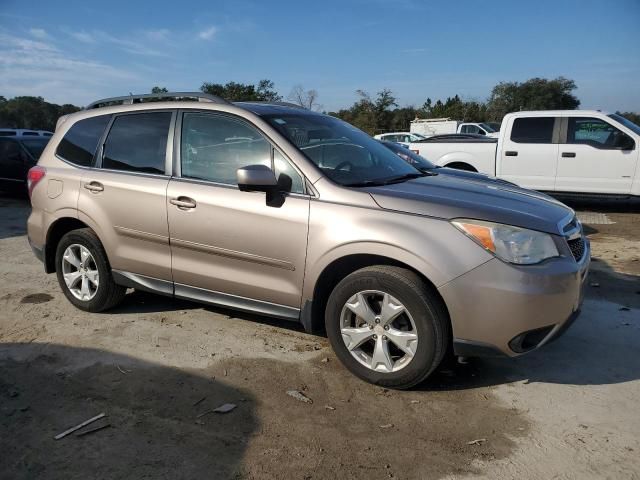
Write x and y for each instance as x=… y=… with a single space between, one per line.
x=373 y=114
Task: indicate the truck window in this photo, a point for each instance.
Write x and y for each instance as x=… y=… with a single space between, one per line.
x=595 y=132
x=532 y=130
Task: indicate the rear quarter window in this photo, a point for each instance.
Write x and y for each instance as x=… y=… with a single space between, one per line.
x=532 y=130
x=80 y=143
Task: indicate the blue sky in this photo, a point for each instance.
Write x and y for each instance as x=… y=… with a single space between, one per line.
x=77 y=51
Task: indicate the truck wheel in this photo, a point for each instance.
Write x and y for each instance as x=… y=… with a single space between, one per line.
x=84 y=274
x=386 y=326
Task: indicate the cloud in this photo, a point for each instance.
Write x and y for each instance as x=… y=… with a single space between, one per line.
x=39 y=33
x=157 y=35
x=29 y=67
x=83 y=36
x=208 y=34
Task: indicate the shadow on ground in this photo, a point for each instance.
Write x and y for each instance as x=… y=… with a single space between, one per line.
x=154 y=429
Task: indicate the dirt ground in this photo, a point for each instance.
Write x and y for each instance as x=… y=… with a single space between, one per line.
x=155 y=367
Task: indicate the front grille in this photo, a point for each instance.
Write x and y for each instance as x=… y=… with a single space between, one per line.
x=577 y=248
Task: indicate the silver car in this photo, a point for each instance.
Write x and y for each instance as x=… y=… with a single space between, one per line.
x=281 y=211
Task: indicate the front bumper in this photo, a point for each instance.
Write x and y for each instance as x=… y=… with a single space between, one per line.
x=503 y=309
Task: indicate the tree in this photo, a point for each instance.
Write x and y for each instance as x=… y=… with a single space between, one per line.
x=157 y=90
x=371 y=115
x=631 y=116
x=533 y=94
x=32 y=112
x=264 y=91
x=304 y=98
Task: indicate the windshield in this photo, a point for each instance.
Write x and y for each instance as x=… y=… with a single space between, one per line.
x=409 y=156
x=488 y=128
x=35 y=146
x=346 y=155
x=416 y=137
x=626 y=122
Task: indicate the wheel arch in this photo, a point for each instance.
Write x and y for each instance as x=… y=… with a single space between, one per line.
x=461 y=166
x=312 y=315
x=56 y=231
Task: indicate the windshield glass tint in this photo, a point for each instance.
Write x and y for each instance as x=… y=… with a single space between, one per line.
x=345 y=154
x=488 y=128
x=627 y=123
x=35 y=146
x=409 y=156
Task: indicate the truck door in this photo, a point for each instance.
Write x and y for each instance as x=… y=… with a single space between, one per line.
x=595 y=157
x=528 y=154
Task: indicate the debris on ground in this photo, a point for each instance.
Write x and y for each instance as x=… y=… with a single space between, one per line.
x=226 y=408
x=93 y=430
x=594 y=284
x=199 y=401
x=478 y=441
x=386 y=425
x=122 y=370
x=299 y=396
x=79 y=426
x=325 y=360
x=329 y=407
x=414 y=401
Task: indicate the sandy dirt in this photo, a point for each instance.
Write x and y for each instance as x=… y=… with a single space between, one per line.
x=153 y=366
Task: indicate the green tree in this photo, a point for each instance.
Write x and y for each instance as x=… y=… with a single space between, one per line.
x=156 y=90
x=631 y=116
x=368 y=114
x=264 y=91
x=32 y=112
x=533 y=94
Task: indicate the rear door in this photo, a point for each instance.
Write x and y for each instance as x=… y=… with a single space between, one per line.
x=595 y=157
x=237 y=248
x=124 y=196
x=528 y=153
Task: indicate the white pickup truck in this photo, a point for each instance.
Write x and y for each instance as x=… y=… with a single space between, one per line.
x=565 y=152
x=428 y=127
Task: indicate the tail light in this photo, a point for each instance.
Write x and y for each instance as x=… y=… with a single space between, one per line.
x=34 y=176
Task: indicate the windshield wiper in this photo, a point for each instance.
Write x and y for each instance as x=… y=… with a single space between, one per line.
x=387 y=181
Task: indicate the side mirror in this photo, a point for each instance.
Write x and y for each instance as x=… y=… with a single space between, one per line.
x=256 y=178
x=627 y=143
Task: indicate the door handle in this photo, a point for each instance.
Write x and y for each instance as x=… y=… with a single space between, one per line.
x=94 y=187
x=568 y=154
x=510 y=153
x=183 y=203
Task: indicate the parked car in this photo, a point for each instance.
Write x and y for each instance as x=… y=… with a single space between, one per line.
x=20 y=132
x=567 y=152
x=403 y=138
x=440 y=126
x=17 y=156
x=290 y=213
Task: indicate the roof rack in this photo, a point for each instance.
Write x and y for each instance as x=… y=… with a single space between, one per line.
x=281 y=104
x=131 y=99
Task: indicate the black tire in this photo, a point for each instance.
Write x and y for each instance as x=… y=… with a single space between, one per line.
x=108 y=294
x=426 y=308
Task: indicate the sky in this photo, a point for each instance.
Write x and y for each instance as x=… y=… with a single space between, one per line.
x=79 y=51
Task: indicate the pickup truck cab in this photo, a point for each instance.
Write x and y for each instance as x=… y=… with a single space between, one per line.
x=401 y=138
x=563 y=152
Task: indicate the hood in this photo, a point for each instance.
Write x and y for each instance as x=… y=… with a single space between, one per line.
x=453 y=196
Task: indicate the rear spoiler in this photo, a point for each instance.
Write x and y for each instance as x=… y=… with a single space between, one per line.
x=61 y=120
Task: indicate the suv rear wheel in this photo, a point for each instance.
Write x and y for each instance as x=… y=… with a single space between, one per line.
x=84 y=274
x=386 y=326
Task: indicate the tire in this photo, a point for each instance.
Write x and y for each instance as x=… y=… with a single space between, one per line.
x=423 y=315
x=106 y=294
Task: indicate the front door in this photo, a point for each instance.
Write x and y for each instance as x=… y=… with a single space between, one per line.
x=595 y=158
x=228 y=246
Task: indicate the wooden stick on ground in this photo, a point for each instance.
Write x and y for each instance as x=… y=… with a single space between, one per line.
x=78 y=427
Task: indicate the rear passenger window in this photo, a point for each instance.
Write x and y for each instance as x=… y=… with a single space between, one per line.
x=80 y=143
x=214 y=147
x=138 y=143
x=532 y=130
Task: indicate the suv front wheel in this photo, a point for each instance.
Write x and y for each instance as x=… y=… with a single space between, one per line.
x=386 y=326
x=84 y=274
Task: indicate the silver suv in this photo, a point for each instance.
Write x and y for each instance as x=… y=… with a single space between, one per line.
x=276 y=210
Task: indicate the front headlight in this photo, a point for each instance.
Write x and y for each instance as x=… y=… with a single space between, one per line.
x=509 y=243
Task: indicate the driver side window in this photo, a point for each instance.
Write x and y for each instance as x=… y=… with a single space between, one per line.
x=596 y=133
